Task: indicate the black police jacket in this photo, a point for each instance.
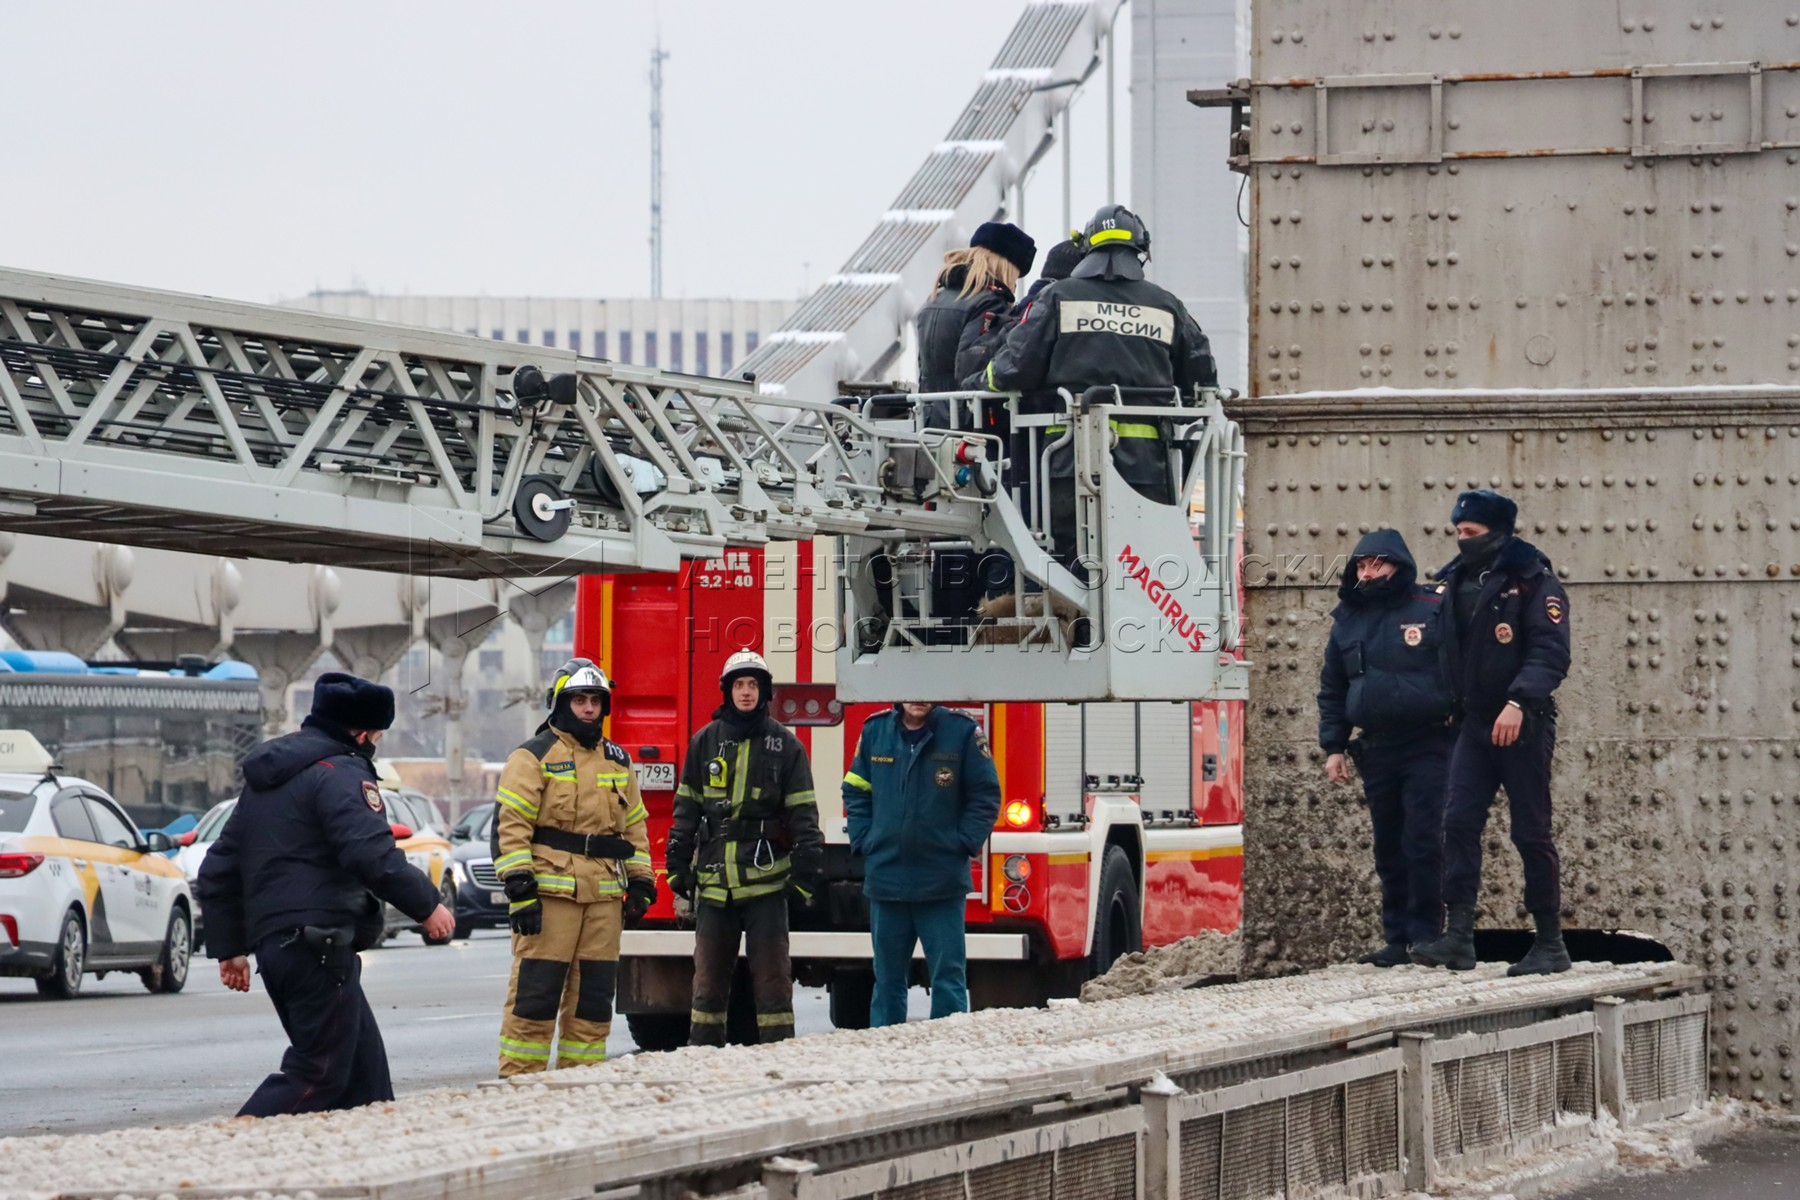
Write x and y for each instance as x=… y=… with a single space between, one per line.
x=1086 y=332
x=1517 y=644
x=956 y=331
x=1387 y=665
x=306 y=844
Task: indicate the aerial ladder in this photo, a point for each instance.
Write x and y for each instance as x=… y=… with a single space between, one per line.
x=183 y=422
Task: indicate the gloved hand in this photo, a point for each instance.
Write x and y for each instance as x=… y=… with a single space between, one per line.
x=524 y=911
x=808 y=889
x=640 y=894
x=681 y=883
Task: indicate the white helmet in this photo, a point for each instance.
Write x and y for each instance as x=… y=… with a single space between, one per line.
x=747 y=662
x=580 y=675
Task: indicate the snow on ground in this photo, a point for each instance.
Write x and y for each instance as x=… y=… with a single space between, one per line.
x=795 y=1092
x=1672 y=1145
x=1168 y=968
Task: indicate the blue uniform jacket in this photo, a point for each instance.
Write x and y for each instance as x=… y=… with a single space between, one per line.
x=1387 y=663
x=306 y=844
x=917 y=815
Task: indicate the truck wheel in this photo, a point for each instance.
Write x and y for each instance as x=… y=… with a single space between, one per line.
x=658 y=1031
x=851 y=994
x=64 y=979
x=1118 y=926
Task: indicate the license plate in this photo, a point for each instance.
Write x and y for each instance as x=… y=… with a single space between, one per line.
x=656 y=775
x=496 y=897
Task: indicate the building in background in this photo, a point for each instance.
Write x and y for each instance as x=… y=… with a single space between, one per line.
x=699 y=337
x=1180 y=183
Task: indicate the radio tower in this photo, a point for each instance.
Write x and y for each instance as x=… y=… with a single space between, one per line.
x=656 y=61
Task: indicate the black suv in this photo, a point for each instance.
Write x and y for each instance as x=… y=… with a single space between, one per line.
x=480 y=902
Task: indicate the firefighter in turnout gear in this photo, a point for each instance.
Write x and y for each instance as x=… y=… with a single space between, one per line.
x=1105 y=325
x=571 y=849
x=746 y=831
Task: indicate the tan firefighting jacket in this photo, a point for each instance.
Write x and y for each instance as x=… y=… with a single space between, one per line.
x=553 y=782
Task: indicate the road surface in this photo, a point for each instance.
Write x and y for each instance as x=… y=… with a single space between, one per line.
x=117 y=1056
x=1761 y=1164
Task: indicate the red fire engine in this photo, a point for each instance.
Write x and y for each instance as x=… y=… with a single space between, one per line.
x=1120 y=823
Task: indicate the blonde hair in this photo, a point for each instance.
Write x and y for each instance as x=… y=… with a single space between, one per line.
x=987 y=269
x=953 y=258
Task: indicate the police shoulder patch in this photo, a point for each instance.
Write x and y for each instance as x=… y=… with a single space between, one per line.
x=372 y=795
x=1553 y=608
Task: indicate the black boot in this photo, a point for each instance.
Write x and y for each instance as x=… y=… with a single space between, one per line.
x=1548 y=955
x=1456 y=949
x=1391 y=955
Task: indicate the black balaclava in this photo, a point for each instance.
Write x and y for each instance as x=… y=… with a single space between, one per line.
x=1478 y=553
x=1379 y=591
x=743 y=723
x=588 y=733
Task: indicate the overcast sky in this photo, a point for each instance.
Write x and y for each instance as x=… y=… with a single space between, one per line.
x=259 y=150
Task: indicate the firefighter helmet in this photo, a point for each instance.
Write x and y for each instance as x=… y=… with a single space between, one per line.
x=747 y=662
x=580 y=675
x=1116 y=227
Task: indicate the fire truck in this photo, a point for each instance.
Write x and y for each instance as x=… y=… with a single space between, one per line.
x=1120 y=824
x=1111 y=686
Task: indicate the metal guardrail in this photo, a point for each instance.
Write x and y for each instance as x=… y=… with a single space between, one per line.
x=1375 y=1124
x=1653 y=1055
x=1324 y=1131
x=1325 y=1085
x=1098 y=1157
x=1476 y=1098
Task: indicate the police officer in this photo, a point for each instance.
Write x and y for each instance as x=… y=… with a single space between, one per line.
x=746 y=830
x=574 y=856
x=920 y=799
x=1386 y=672
x=290 y=880
x=1511 y=622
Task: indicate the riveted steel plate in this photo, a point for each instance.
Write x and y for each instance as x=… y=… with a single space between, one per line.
x=1554 y=250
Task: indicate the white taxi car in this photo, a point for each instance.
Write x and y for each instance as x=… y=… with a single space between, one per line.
x=424 y=845
x=81 y=890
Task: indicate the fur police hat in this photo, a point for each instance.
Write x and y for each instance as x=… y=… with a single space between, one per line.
x=352 y=703
x=1062 y=257
x=1009 y=242
x=1483 y=507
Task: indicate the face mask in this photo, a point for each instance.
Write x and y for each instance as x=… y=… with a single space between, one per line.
x=1478 y=549
x=588 y=733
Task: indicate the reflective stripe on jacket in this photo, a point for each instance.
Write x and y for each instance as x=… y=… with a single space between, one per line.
x=918 y=813
x=554 y=781
x=745 y=815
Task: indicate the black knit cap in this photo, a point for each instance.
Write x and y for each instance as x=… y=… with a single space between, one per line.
x=352 y=703
x=1062 y=258
x=1009 y=242
x=1483 y=507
